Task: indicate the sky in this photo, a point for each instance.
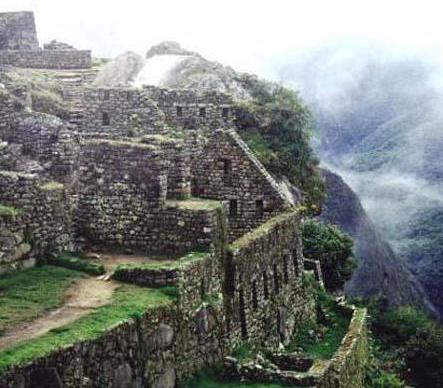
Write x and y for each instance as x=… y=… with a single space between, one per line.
x=255 y=36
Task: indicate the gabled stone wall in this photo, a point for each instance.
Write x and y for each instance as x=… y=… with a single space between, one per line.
x=227 y=170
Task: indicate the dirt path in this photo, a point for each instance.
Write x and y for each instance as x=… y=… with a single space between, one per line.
x=83 y=296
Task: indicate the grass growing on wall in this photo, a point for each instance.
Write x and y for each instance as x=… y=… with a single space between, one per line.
x=193 y=203
x=27 y=294
x=10 y=211
x=128 y=301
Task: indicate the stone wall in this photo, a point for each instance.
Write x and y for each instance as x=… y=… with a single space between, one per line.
x=119 y=112
x=265 y=297
x=227 y=170
x=346 y=369
x=17 y=31
x=47 y=59
x=122 y=201
x=44 y=219
x=47 y=139
x=188 y=109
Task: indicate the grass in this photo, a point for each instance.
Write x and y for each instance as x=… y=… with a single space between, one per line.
x=159 y=265
x=196 y=204
x=210 y=380
x=73 y=261
x=27 y=294
x=128 y=302
x=9 y=211
x=322 y=340
x=52 y=186
x=122 y=143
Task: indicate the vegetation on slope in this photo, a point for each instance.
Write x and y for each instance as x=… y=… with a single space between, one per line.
x=29 y=293
x=333 y=248
x=277 y=126
x=45 y=91
x=407 y=345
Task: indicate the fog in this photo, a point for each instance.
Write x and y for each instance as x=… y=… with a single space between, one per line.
x=254 y=36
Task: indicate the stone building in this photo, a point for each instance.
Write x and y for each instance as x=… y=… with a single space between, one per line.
x=156 y=172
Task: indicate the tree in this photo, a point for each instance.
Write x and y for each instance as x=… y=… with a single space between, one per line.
x=334 y=250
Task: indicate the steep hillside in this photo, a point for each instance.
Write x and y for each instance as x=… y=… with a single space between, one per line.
x=380 y=271
x=379 y=124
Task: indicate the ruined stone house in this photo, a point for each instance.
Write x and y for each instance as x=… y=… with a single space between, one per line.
x=155 y=171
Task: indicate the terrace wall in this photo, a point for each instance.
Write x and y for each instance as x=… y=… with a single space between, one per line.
x=47 y=59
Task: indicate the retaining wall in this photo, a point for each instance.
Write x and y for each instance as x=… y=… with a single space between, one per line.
x=47 y=59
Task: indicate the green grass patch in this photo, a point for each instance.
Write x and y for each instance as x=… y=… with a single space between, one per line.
x=322 y=339
x=27 y=294
x=195 y=204
x=129 y=301
x=211 y=380
x=52 y=186
x=161 y=265
x=77 y=262
x=9 y=211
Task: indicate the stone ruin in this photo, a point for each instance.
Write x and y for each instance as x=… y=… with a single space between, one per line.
x=155 y=171
x=19 y=46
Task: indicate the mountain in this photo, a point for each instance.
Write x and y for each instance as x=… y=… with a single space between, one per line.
x=380 y=272
x=169 y=65
x=379 y=124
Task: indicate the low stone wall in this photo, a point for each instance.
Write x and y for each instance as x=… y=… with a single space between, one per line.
x=47 y=59
x=346 y=369
x=147 y=277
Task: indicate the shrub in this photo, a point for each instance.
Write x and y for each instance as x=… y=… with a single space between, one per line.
x=276 y=125
x=417 y=340
x=333 y=249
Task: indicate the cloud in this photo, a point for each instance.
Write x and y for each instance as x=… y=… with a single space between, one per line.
x=250 y=35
